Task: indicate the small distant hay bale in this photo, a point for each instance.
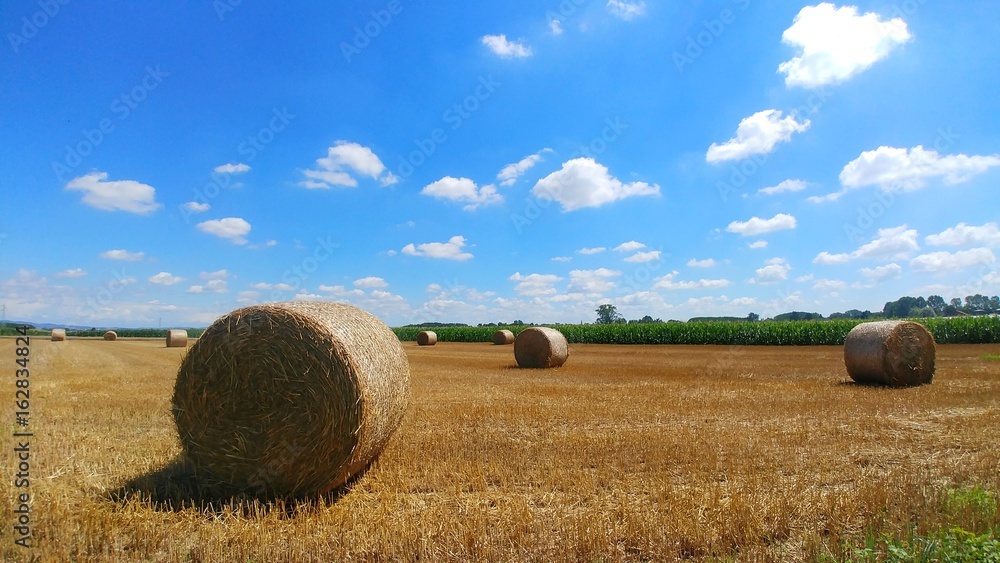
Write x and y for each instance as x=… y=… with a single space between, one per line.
x=427 y=338
x=290 y=399
x=111 y=336
x=177 y=338
x=540 y=347
x=893 y=353
x=58 y=335
x=503 y=337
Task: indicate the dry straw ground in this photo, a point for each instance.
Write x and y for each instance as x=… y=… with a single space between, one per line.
x=625 y=453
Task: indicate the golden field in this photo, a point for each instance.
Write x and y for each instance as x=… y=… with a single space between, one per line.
x=633 y=453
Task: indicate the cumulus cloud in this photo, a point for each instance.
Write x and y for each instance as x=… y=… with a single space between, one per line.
x=783 y=187
x=966 y=235
x=757 y=134
x=72 y=273
x=756 y=226
x=593 y=281
x=509 y=174
x=463 y=190
x=594 y=250
x=649 y=256
x=757 y=244
x=451 y=250
x=630 y=246
x=195 y=207
x=505 y=49
x=555 y=26
x=124 y=255
x=706 y=263
x=535 y=285
x=879 y=273
x=936 y=262
x=562 y=259
x=121 y=195
x=829 y=285
x=835 y=44
x=341 y=160
x=165 y=278
x=233 y=229
x=626 y=9
x=211 y=286
x=897 y=169
x=889 y=244
x=371 y=282
x=583 y=182
x=671 y=282
x=233 y=168
x=774 y=270
x=826 y=259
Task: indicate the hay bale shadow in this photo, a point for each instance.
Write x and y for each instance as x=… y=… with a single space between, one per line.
x=178 y=487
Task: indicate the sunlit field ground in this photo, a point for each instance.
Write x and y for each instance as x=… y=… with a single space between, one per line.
x=626 y=453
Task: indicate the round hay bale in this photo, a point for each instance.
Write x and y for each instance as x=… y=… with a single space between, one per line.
x=503 y=337
x=290 y=399
x=177 y=338
x=540 y=347
x=58 y=335
x=111 y=336
x=894 y=353
x=427 y=338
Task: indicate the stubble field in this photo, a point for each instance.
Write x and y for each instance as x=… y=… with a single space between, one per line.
x=626 y=453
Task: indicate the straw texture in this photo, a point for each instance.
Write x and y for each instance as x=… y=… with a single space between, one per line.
x=427 y=338
x=111 y=336
x=894 y=353
x=503 y=337
x=540 y=347
x=177 y=338
x=290 y=399
x=58 y=335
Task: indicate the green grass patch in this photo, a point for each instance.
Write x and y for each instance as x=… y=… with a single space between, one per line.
x=990 y=357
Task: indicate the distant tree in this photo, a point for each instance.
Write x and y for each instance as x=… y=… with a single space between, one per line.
x=937 y=303
x=608 y=314
x=995 y=304
x=753 y=317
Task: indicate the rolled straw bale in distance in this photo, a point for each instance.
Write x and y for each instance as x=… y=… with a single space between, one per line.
x=111 y=336
x=540 y=347
x=895 y=353
x=502 y=337
x=177 y=338
x=290 y=399
x=58 y=335
x=427 y=338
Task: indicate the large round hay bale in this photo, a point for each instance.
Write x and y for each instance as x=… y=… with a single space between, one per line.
x=290 y=399
x=540 y=347
x=427 y=338
x=895 y=353
x=177 y=338
x=58 y=335
x=111 y=336
x=503 y=337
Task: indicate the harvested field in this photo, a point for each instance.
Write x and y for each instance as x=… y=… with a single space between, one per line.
x=625 y=453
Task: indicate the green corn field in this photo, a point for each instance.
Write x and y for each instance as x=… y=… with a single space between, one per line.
x=958 y=330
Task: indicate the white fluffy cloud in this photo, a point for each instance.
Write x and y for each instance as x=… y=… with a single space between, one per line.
x=211 y=286
x=757 y=244
x=774 y=270
x=630 y=246
x=72 y=273
x=626 y=9
x=896 y=169
x=935 y=262
x=706 y=263
x=234 y=229
x=786 y=186
x=880 y=273
x=583 y=182
x=506 y=49
x=121 y=195
x=756 y=226
x=593 y=281
x=594 y=250
x=671 y=282
x=966 y=235
x=829 y=285
x=165 y=278
x=233 y=168
x=124 y=255
x=826 y=259
x=371 y=282
x=463 y=190
x=835 y=44
x=757 y=134
x=535 y=285
x=195 y=207
x=889 y=244
x=649 y=256
x=509 y=174
x=335 y=168
x=451 y=250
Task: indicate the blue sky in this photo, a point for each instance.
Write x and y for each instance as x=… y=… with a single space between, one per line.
x=167 y=163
